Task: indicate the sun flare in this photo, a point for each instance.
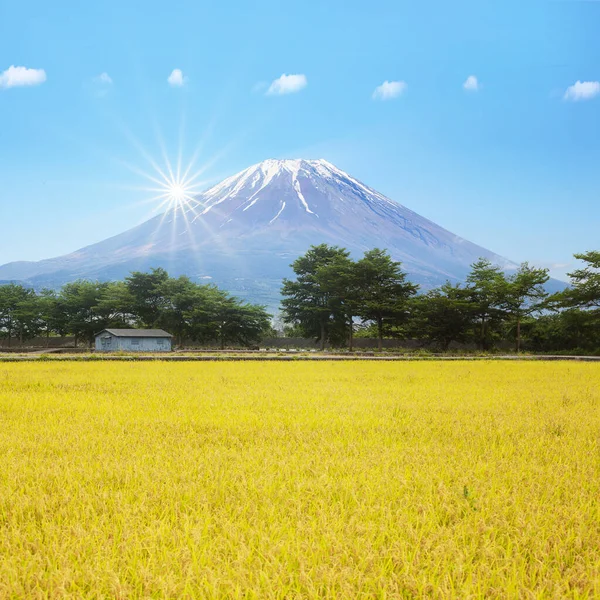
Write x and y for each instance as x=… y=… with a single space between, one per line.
x=179 y=195
x=177 y=192
x=173 y=191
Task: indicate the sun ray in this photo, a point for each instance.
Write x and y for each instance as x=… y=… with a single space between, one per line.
x=142 y=173
x=180 y=150
x=145 y=154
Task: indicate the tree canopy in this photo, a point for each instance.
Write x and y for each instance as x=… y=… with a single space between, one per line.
x=188 y=310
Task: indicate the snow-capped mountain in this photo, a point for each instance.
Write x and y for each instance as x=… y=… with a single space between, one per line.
x=243 y=233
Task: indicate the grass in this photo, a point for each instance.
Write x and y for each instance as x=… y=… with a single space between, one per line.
x=300 y=480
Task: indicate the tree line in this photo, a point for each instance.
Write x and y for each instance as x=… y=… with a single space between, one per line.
x=190 y=311
x=332 y=299
x=333 y=295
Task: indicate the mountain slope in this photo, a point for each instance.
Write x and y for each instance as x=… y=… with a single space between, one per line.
x=243 y=233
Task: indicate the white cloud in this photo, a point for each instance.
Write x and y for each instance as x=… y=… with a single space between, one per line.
x=176 y=78
x=19 y=76
x=582 y=90
x=287 y=84
x=389 y=89
x=472 y=84
x=104 y=79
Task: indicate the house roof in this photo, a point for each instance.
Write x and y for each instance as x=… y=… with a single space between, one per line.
x=138 y=333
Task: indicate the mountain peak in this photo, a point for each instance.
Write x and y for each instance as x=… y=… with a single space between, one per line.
x=289 y=180
x=271 y=166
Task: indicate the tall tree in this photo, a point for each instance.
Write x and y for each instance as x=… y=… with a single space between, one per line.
x=146 y=291
x=383 y=291
x=79 y=301
x=524 y=295
x=309 y=301
x=53 y=318
x=570 y=330
x=16 y=305
x=27 y=315
x=179 y=296
x=486 y=284
x=215 y=316
x=338 y=279
x=442 y=316
x=585 y=282
x=116 y=305
x=240 y=323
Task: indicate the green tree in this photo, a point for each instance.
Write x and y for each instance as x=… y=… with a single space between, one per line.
x=116 y=305
x=16 y=306
x=216 y=316
x=179 y=297
x=338 y=279
x=524 y=295
x=486 y=285
x=585 y=282
x=146 y=290
x=382 y=291
x=240 y=323
x=27 y=315
x=311 y=300
x=52 y=317
x=79 y=302
x=570 y=330
x=442 y=316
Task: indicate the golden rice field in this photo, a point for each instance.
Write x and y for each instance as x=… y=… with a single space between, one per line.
x=300 y=480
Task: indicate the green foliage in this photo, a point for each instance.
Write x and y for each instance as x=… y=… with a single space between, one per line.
x=585 y=290
x=213 y=315
x=146 y=294
x=83 y=308
x=442 y=316
x=315 y=301
x=18 y=316
x=487 y=287
x=333 y=299
x=567 y=331
x=524 y=295
x=383 y=291
x=80 y=304
x=330 y=290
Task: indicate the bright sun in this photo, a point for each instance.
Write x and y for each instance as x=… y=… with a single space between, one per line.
x=176 y=190
x=177 y=193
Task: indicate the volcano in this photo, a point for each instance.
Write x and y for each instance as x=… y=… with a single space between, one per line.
x=243 y=233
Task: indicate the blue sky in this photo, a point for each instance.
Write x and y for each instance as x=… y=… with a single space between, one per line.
x=511 y=161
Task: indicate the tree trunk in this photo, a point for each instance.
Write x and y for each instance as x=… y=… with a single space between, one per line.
x=351 y=338
x=482 y=340
x=322 y=335
x=47 y=338
x=380 y=333
x=75 y=341
x=518 y=334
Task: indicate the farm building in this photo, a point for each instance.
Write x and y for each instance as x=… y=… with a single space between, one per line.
x=133 y=340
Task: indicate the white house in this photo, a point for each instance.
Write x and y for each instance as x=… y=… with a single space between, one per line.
x=133 y=340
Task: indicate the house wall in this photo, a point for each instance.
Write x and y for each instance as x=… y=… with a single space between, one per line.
x=105 y=342
x=132 y=344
